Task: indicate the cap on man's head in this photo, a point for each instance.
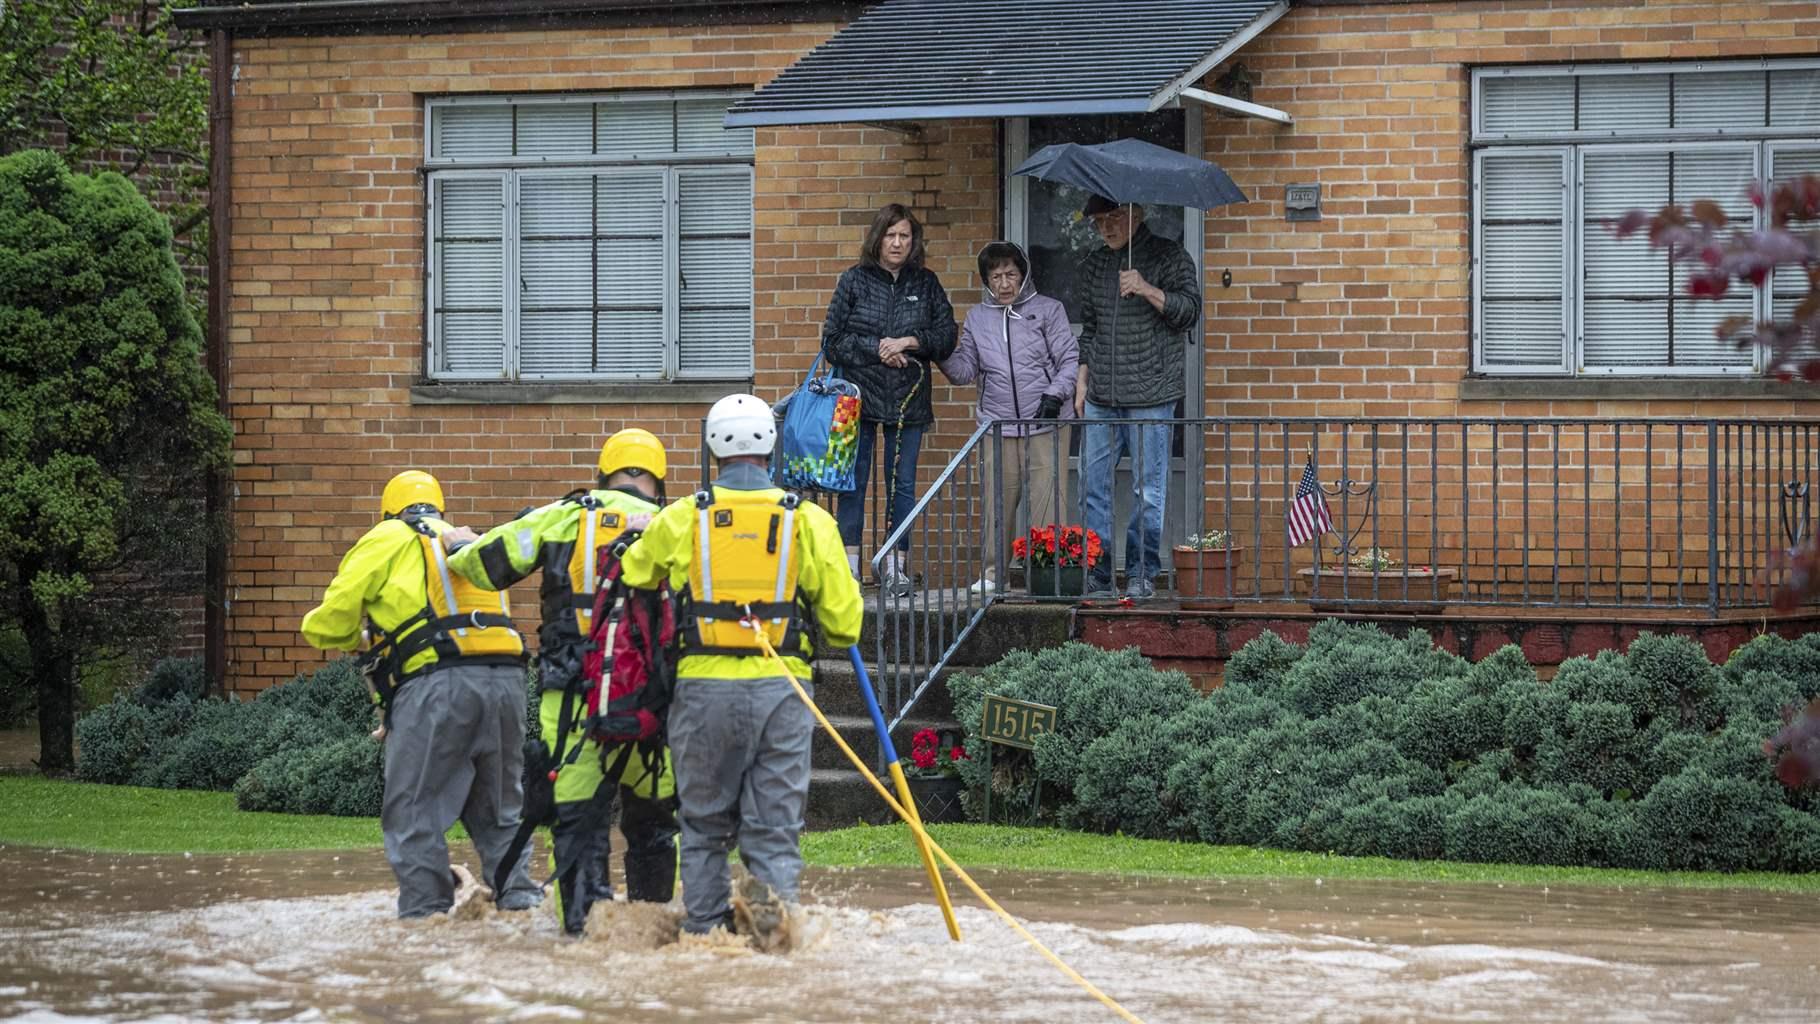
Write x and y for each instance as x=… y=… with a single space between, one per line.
x=1098 y=204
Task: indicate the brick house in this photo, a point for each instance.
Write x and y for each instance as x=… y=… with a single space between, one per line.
x=391 y=166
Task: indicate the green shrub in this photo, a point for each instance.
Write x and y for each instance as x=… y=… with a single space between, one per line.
x=165 y=737
x=1798 y=660
x=1363 y=743
x=346 y=777
x=1262 y=663
x=1346 y=663
x=1519 y=825
x=1700 y=821
x=170 y=679
x=1094 y=692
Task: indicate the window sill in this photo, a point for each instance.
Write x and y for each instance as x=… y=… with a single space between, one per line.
x=1480 y=388
x=691 y=392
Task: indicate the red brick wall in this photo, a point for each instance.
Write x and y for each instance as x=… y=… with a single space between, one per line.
x=327 y=294
x=1364 y=313
x=1367 y=312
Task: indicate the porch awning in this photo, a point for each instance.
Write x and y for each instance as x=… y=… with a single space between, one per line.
x=924 y=59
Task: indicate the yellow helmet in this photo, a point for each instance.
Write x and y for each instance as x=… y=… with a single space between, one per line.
x=633 y=448
x=411 y=487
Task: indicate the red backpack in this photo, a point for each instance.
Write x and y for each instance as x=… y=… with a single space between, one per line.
x=628 y=684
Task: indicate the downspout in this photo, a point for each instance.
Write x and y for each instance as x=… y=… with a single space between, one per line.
x=215 y=487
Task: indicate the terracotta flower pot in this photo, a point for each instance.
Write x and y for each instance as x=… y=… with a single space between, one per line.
x=1206 y=578
x=1366 y=590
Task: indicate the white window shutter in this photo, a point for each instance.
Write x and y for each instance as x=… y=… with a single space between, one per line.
x=555 y=129
x=627 y=257
x=555 y=280
x=715 y=228
x=1787 y=163
x=1521 y=239
x=1725 y=177
x=1794 y=98
x=642 y=128
x=1616 y=104
x=1635 y=313
x=630 y=274
x=1722 y=101
x=468 y=267
x=699 y=131
x=1624 y=284
x=470 y=131
x=1526 y=105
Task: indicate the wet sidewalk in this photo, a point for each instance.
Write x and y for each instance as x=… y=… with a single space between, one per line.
x=309 y=936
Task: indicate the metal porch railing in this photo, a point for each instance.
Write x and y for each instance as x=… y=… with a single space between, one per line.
x=1504 y=512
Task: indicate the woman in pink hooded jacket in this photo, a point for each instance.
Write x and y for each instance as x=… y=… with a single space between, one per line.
x=1018 y=346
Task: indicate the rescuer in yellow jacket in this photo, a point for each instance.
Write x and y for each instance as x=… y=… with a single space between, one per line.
x=564 y=539
x=448 y=669
x=739 y=737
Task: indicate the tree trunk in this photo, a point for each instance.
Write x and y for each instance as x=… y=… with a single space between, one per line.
x=54 y=674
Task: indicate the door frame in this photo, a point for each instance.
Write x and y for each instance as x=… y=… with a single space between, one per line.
x=1188 y=471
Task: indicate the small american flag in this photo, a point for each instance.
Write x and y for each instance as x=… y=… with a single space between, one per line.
x=1308 y=516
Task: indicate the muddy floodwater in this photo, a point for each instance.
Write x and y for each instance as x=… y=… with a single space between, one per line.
x=310 y=937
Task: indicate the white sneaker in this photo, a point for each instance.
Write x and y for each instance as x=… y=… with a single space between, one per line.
x=895 y=582
x=983 y=585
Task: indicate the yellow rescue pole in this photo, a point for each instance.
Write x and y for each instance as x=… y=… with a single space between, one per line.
x=902 y=785
x=923 y=837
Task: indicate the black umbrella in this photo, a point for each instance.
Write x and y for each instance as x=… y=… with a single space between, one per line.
x=1134 y=171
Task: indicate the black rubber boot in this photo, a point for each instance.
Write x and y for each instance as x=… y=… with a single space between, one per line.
x=650 y=828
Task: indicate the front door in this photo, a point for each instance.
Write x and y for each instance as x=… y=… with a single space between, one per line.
x=1045 y=219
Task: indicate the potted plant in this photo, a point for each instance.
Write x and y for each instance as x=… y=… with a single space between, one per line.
x=1207 y=570
x=934 y=777
x=1373 y=580
x=1056 y=559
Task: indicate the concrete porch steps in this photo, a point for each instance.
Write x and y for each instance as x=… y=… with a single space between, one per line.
x=839 y=795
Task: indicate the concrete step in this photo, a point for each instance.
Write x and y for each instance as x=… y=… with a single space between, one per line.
x=860 y=735
x=917 y=630
x=839 y=798
x=837 y=691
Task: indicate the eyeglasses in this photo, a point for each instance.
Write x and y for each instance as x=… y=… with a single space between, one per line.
x=1007 y=275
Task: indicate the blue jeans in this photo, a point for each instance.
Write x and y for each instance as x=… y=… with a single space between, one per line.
x=1102 y=445
x=901 y=449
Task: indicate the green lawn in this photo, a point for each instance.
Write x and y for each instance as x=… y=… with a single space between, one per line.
x=127 y=819
x=1031 y=849
x=36 y=811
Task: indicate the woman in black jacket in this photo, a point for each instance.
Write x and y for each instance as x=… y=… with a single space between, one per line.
x=889 y=320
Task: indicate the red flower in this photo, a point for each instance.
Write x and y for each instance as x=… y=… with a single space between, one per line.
x=923 y=757
x=955 y=753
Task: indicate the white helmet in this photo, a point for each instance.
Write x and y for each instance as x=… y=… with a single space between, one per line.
x=741 y=425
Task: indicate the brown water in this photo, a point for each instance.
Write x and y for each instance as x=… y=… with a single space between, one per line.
x=310 y=937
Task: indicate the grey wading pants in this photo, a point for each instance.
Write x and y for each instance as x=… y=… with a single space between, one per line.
x=741 y=752
x=454 y=750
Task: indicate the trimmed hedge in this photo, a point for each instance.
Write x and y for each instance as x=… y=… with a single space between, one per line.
x=1367 y=744
x=301 y=747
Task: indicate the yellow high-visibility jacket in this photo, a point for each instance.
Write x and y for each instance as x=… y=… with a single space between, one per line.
x=669 y=547
x=385 y=578
x=549 y=537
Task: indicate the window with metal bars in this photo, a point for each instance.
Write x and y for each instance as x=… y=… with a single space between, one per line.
x=602 y=238
x=1561 y=153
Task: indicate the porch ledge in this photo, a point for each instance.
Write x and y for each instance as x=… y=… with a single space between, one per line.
x=1482 y=389
x=701 y=392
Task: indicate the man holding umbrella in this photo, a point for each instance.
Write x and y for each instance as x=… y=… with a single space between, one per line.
x=1142 y=295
